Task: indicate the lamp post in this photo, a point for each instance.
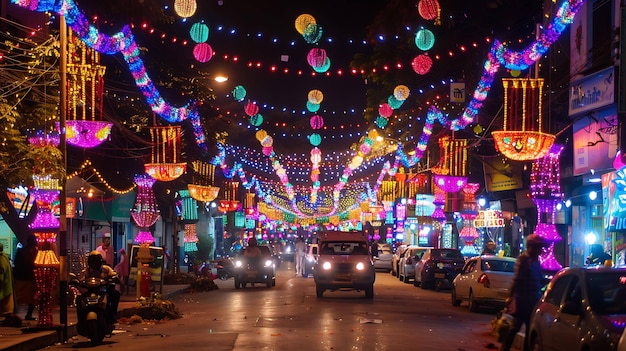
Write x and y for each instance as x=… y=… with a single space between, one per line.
x=63 y=264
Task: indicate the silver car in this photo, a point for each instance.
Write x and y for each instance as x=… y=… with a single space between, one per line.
x=406 y=266
x=382 y=262
x=582 y=309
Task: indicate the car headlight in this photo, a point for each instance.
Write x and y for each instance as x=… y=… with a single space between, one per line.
x=268 y=263
x=360 y=266
x=326 y=265
x=238 y=263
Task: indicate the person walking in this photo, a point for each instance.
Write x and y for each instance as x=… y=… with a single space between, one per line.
x=7 y=303
x=106 y=250
x=24 y=274
x=122 y=269
x=528 y=281
x=300 y=256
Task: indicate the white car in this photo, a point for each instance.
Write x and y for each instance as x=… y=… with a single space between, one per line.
x=484 y=280
x=406 y=266
x=382 y=262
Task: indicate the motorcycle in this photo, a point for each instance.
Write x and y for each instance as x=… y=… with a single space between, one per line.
x=91 y=308
x=225 y=269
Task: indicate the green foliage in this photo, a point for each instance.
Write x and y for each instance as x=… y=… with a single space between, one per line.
x=205 y=248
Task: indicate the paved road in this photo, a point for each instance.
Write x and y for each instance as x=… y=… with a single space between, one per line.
x=290 y=317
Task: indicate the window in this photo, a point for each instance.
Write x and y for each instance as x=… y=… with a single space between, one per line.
x=559 y=287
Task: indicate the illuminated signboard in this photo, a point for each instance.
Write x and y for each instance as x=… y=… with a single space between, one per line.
x=489 y=218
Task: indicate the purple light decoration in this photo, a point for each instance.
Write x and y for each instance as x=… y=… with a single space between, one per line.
x=144 y=237
x=87 y=134
x=545 y=186
x=45 y=219
x=146 y=211
x=42 y=139
x=449 y=184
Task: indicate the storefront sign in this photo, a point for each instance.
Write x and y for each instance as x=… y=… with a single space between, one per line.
x=489 y=218
x=592 y=92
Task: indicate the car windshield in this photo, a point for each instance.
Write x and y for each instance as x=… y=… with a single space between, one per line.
x=496 y=265
x=265 y=251
x=607 y=292
x=447 y=254
x=343 y=248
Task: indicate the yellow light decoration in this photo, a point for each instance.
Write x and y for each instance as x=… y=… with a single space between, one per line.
x=260 y=135
x=45 y=255
x=165 y=172
x=45 y=182
x=87 y=164
x=522 y=138
x=203 y=193
x=401 y=92
x=315 y=96
x=165 y=166
x=185 y=8
x=303 y=21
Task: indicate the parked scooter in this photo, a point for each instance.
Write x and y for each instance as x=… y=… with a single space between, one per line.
x=91 y=308
x=225 y=269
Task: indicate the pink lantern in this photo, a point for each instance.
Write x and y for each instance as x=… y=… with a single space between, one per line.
x=251 y=109
x=428 y=9
x=385 y=110
x=317 y=122
x=422 y=64
x=365 y=148
x=203 y=52
x=267 y=150
x=316 y=155
x=316 y=57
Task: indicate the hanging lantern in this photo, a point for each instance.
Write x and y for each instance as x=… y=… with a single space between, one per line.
x=401 y=92
x=424 y=39
x=315 y=96
x=260 y=134
x=429 y=9
x=165 y=166
x=381 y=122
x=316 y=155
x=185 y=8
x=312 y=107
x=199 y=32
x=385 y=110
x=256 y=120
x=202 y=52
x=146 y=211
x=239 y=93
x=251 y=108
x=312 y=33
x=303 y=21
x=394 y=103
x=267 y=150
x=316 y=57
x=521 y=138
x=323 y=68
x=451 y=173
x=267 y=141
x=317 y=122
x=422 y=64
x=315 y=139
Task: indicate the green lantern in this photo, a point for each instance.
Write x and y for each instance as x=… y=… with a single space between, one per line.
x=394 y=103
x=312 y=107
x=239 y=93
x=199 y=32
x=424 y=39
x=312 y=33
x=381 y=122
x=315 y=139
x=256 y=120
x=323 y=68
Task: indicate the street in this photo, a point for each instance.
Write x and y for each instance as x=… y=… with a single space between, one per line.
x=290 y=317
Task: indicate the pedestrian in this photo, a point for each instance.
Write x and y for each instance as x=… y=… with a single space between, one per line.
x=374 y=249
x=490 y=248
x=122 y=269
x=24 y=274
x=106 y=250
x=300 y=256
x=525 y=292
x=7 y=304
x=597 y=257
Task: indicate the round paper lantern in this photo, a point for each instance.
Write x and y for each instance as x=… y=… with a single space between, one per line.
x=315 y=139
x=401 y=92
x=317 y=122
x=424 y=39
x=394 y=103
x=381 y=122
x=422 y=64
x=251 y=109
x=385 y=110
x=267 y=150
x=267 y=141
x=372 y=134
x=428 y=9
x=316 y=57
x=185 y=8
x=303 y=21
x=312 y=33
x=203 y=52
x=256 y=120
x=239 y=93
x=315 y=96
x=324 y=68
x=365 y=148
x=316 y=155
x=199 y=32
x=260 y=134
x=312 y=107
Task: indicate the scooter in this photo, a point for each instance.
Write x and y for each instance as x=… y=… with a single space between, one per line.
x=91 y=308
x=225 y=269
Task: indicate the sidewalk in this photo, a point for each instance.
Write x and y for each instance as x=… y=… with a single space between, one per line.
x=29 y=337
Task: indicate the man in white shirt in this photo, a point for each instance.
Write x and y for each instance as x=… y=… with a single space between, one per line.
x=300 y=256
x=106 y=250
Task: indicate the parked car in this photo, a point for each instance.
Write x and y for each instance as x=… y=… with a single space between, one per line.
x=382 y=262
x=583 y=308
x=395 y=259
x=406 y=266
x=310 y=260
x=484 y=280
x=437 y=268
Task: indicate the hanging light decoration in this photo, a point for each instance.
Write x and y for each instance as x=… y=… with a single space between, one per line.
x=451 y=173
x=145 y=212
x=203 y=52
x=303 y=21
x=316 y=57
x=185 y=8
x=521 y=138
x=469 y=233
x=422 y=64
x=85 y=96
x=424 y=39
x=202 y=188
x=165 y=166
x=545 y=186
x=199 y=32
x=230 y=202
x=429 y=10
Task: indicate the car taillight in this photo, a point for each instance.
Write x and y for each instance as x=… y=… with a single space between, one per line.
x=484 y=280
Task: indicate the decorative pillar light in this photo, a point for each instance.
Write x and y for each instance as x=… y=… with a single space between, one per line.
x=521 y=138
x=202 y=188
x=145 y=212
x=85 y=96
x=451 y=173
x=165 y=149
x=469 y=233
x=190 y=238
x=545 y=186
x=230 y=202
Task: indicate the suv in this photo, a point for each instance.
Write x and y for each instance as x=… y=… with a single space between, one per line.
x=344 y=262
x=255 y=270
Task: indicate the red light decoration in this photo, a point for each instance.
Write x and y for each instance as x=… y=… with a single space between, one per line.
x=46 y=271
x=317 y=122
x=44 y=139
x=385 y=110
x=228 y=206
x=422 y=64
x=202 y=52
x=251 y=108
x=429 y=9
x=164 y=166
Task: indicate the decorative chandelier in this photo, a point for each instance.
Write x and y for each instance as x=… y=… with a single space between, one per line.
x=202 y=188
x=165 y=166
x=521 y=138
x=451 y=173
